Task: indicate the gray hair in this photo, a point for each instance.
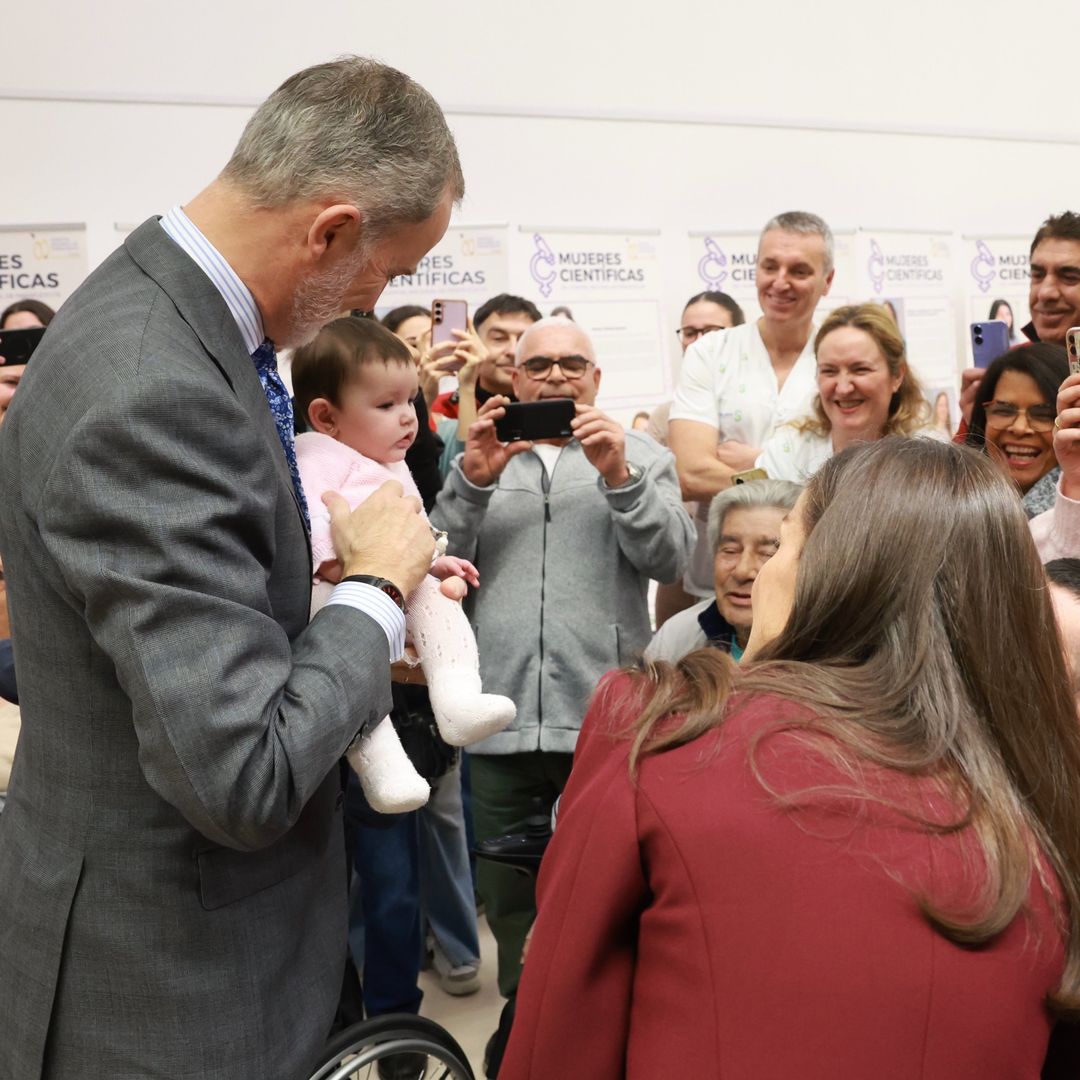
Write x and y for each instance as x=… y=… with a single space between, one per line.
x=752 y=494
x=546 y=324
x=807 y=224
x=352 y=129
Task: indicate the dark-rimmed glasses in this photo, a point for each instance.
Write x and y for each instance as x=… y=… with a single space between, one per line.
x=539 y=367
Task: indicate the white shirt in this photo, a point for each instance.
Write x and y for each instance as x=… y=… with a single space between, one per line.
x=790 y=454
x=728 y=382
x=796 y=455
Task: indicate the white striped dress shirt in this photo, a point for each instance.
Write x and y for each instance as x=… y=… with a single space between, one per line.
x=237 y=296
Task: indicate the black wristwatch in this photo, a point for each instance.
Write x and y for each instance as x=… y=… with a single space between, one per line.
x=380 y=583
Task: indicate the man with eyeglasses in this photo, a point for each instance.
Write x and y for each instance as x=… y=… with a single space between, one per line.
x=735 y=386
x=566 y=534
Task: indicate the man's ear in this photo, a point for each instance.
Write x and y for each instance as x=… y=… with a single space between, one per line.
x=829 y=280
x=337 y=227
x=322 y=416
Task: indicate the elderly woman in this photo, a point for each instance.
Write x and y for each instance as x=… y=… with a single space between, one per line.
x=1013 y=419
x=743 y=534
x=865 y=391
x=855 y=855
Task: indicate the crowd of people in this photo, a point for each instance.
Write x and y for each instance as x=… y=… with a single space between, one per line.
x=288 y=645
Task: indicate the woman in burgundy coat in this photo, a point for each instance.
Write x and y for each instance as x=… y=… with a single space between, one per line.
x=857 y=857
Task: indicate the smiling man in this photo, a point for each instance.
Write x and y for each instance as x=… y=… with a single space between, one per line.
x=1054 y=298
x=735 y=384
x=172 y=868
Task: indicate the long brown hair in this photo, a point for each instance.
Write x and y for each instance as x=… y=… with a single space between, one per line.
x=922 y=639
x=908 y=408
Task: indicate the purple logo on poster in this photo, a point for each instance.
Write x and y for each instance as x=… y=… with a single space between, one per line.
x=712 y=268
x=542 y=266
x=983 y=266
x=876 y=266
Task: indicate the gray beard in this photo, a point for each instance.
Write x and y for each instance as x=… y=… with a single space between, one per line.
x=318 y=300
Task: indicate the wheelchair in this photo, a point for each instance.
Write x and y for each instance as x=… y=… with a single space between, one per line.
x=391 y=1046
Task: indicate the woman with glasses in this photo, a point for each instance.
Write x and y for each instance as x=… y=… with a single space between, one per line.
x=1013 y=419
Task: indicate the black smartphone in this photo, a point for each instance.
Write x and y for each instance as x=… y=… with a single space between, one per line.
x=17 y=345
x=989 y=340
x=531 y=420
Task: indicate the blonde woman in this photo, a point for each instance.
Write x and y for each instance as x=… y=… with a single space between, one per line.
x=865 y=391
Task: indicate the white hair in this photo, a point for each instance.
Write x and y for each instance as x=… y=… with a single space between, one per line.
x=782 y=494
x=549 y=322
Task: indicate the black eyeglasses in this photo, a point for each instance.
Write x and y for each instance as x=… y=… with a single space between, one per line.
x=692 y=333
x=1003 y=414
x=539 y=367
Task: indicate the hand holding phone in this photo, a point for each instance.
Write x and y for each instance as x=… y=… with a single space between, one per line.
x=446 y=317
x=17 y=346
x=486 y=455
x=532 y=420
x=989 y=340
x=1072 y=344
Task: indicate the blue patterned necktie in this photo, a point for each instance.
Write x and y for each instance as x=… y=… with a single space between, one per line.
x=277 y=397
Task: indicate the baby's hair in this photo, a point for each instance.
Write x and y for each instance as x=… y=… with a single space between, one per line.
x=343 y=347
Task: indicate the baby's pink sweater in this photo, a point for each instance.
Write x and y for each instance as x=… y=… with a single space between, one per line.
x=328 y=465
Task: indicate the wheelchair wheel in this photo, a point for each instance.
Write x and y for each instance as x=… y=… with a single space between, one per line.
x=397 y=1046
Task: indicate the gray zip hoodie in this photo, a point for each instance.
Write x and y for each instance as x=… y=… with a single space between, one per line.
x=564 y=569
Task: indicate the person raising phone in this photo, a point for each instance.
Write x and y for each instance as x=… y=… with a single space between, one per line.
x=566 y=534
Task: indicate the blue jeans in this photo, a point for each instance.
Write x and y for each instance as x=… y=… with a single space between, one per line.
x=419 y=862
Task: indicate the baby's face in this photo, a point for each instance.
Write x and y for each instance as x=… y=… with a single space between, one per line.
x=377 y=417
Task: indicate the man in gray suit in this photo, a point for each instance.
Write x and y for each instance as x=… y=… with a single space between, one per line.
x=172 y=873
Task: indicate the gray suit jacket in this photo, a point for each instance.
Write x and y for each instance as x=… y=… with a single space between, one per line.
x=172 y=874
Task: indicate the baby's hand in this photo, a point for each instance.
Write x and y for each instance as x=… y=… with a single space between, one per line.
x=454 y=573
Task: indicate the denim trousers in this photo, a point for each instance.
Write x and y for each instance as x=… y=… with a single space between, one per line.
x=416 y=866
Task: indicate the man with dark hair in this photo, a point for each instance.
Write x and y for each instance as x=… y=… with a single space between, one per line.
x=172 y=866
x=499 y=323
x=1054 y=299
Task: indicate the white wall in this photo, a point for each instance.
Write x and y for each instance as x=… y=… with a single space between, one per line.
x=953 y=116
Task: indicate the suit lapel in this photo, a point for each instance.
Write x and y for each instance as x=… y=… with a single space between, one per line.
x=201 y=306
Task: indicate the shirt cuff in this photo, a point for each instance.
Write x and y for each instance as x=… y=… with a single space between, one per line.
x=374 y=602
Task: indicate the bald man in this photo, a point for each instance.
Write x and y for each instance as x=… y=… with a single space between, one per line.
x=566 y=534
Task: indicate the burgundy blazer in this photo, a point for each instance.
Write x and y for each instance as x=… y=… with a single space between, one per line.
x=692 y=925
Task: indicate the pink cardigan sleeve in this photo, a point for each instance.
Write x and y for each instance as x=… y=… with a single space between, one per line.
x=1057 y=532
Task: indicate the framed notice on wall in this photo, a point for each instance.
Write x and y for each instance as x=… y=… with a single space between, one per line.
x=41 y=262
x=611 y=283
x=470 y=263
x=912 y=274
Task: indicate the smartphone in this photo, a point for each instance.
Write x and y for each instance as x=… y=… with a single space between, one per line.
x=749 y=475
x=989 y=340
x=16 y=346
x=533 y=420
x=1072 y=343
x=446 y=317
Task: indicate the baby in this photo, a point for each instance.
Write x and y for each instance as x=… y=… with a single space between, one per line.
x=356 y=383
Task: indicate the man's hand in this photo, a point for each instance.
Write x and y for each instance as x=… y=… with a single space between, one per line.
x=485 y=457
x=969 y=388
x=1067 y=436
x=604 y=443
x=385 y=536
x=737 y=456
x=9 y=383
